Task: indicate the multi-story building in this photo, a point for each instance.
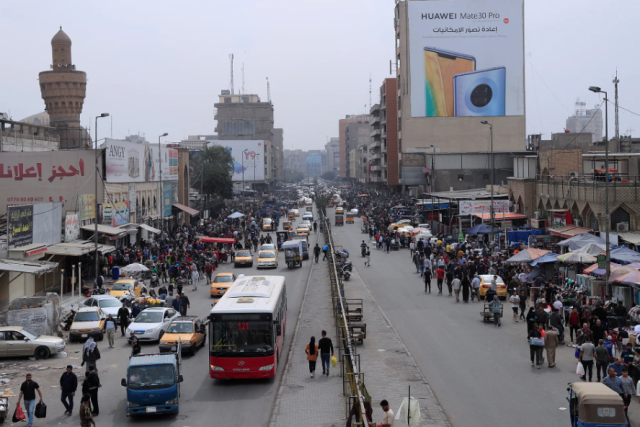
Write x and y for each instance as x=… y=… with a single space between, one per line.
x=586 y=121
x=333 y=155
x=197 y=142
x=314 y=163
x=295 y=161
x=354 y=132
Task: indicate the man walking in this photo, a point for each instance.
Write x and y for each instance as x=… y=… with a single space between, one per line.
x=456 y=288
x=440 y=278
x=94 y=385
x=177 y=304
x=602 y=360
x=184 y=304
x=550 y=344
x=123 y=318
x=326 y=351
x=325 y=248
x=68 y=385
x=515 y=304
x=316 y=252
x=587 y=352
x=110 y=326
x=28 y=390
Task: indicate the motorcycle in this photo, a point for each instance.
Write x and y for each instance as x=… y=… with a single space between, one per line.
x=66 y=323
x=345 y=273
x=474 y=294
x=4 y=408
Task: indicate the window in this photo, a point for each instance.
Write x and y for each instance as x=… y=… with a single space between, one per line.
x=227 y=100
x=245 y=99
x=619 y=216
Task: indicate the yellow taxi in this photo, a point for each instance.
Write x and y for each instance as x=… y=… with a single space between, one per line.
x=303 y=230
x=267 y=224
x=350 y=218
x=287 y=225
x=268 y=259
x=190 y=330
x=296 y=212
x=340 y=210
x=221 y=283
x=485 y=285
x=126 y=287
x=399 y=224
x=291 y=216
x=243 y=258
x=88 y=322
x=330 y=204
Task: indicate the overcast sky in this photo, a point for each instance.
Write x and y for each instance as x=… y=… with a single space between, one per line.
x=158 y=66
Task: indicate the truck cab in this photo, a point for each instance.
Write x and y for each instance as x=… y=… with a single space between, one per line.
x=153 y=384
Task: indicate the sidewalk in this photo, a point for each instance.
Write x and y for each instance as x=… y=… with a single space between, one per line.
x=388 y=367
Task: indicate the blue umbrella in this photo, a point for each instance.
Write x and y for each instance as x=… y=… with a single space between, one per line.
x=235 y=215
x=481 y=229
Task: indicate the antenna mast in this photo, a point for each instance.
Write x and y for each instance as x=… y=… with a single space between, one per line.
x=268 y=91
x=369 y=92
x=242 y=79
x=231 y=58
x=615 y=83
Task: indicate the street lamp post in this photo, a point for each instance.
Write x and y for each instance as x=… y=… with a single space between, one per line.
x=254 y=178
x=596 y=89
x=95 y=202
x=493 y=177
x=161 y=189
x=242 y=191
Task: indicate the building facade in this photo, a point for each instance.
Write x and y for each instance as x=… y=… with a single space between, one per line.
x=332 y=149
x=586 y=121
x=295 y=161
x=353 y=131
x=197 y=142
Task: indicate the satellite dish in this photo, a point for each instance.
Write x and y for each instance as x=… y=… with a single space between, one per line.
x=59 y=65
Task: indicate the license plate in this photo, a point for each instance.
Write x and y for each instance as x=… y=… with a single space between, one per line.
x=84 y=335
x=151 y=409
x=174 y=348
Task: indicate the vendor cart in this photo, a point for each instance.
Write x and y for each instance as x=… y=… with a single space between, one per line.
x=339 y=219
x=282 y=237
x=293 y=253
x=487 y=312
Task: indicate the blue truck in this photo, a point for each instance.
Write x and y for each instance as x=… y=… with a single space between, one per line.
x=153 y=384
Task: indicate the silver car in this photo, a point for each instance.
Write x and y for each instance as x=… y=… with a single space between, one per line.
x=17 y=341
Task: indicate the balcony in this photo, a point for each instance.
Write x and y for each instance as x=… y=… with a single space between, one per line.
x=376 y=168
x=375 y=156
x=374 y=133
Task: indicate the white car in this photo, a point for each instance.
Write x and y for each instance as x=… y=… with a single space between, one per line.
x=307 y=217
x=152 y=323
x=108 y=303
x=424 y=226
x=268 y=247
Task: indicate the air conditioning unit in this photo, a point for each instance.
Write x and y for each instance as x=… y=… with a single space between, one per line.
x=536 y=215
x=622 y=227
x=577 y=222
x=573 y=174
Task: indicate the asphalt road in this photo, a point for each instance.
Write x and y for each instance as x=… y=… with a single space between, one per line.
x=203 y=401
x=481 y=374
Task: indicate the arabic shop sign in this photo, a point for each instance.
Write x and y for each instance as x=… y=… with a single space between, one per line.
x=115 y=214
x=45 y=177
x=86 y=207
x=20 y=225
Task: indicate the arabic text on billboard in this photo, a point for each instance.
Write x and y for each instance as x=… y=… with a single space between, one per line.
x=248 y=157
x=472 y=207
x=71 y=228
x=86 y=207
x=124 y=161
x=466 y=58
x=20 y=225
x=115 y=214
x=132 y=198
x=45 y=177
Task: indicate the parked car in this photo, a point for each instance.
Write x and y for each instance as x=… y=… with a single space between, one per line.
x=107 y=303
x=18 y=341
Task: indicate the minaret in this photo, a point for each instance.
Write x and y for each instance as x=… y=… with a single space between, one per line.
x=63 y=90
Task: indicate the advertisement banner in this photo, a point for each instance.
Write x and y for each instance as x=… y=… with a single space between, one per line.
x=132 y=198
x=47 y=227
x=20 y=223
x=167 y=198
x=115 y=214
x=71 y=228
x=472 y=207
x=248 y=157
x=124 y=161
x=169 y=168
x=42 y=177
x=466 y=58
x=86 y=207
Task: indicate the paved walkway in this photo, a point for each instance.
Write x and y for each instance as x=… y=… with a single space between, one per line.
x=388 y=367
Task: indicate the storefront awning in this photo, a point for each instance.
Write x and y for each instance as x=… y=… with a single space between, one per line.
x=630 y=237
x=569 y=231
x=32 y=267
x=105 y=229
x=150 y=229
x=78 y=249
x=186 y=209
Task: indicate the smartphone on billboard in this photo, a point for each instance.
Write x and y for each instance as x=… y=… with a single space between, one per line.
x=480 y=93
x=440 y=66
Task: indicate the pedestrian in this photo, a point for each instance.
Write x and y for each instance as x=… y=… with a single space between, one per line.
x=312 y=355
x=68 y=385
x=602 y=360
x=574 y=323
x=85 y=412
x=456 y=283
x=176 y=304
x=466 y=285
x=123 y=318
x=550 y=344
x=496 y=309
x=195 y=276
x=168 y=302
x=28 y=390
x=587 y=353
x=514 y=299
x=90 y=354
x=110 y=327
x=449 y=281
x=326 y=351
x=628 y=389
x=94 y=385
x=440 y=278
x=325 y=248
x=388 y=418
x=85 y=386
x=427 y=281
x=184 y=304
x=135 y=344
x=368 y=255
x=316 y=252
x=100 y=282
x=534 y=350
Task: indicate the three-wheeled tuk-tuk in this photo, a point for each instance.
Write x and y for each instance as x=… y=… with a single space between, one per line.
x=350 y=218
x=282 y=237
x=339 y=219
x=595 y=405
x=293 y=253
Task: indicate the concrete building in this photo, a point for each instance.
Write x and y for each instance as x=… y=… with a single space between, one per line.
x=435 y=137
x=353 y=132
x=63 y=90
x=197 y=142
x=245 y=117
x=586 y=121
x=374 y=149
x=21 y=136
x=332 y=149
x=295 y=161
x=314 y=163
x=389 y=133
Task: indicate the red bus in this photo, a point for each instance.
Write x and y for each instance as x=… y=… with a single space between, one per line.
x=247 y=327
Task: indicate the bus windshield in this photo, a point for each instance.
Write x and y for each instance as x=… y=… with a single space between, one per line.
x=151 y=377
x=238 y=336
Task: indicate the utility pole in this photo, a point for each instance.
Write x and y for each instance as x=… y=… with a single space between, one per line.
x=231 y=58
x=493 y=177
x=615 y=84
x=95 y=234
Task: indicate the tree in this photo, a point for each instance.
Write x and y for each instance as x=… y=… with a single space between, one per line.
x=293 y=176
x=328 y=175
x=217 y=172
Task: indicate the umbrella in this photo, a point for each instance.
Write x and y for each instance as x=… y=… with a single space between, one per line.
x=480 y=229
x=619 y=272
x=594 y=267
x=632 y=278
x=546 y=258
x=577 y=258
x=592 y=248
x=419 y=230
x=134 y=268
x=362 y=195
x=528 y=255
x=235 y=215
x=635 y=265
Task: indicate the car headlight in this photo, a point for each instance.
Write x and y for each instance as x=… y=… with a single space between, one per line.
x=132 y=404
x=172 y=402
x=267 y=368
x=216 y=368
x=151 y=331
x=163 y=343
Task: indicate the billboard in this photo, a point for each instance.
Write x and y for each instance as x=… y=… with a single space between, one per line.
x=132 y=198
x=39 y=177
x=248 y=157
x=472 y=207
x=71 y=228
x=20 y=223
x=167 y=198
x=169 y=167
x=115 y=214
x=47 y=227
x=466 y=58
x=124 y=161
x=86 y=207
